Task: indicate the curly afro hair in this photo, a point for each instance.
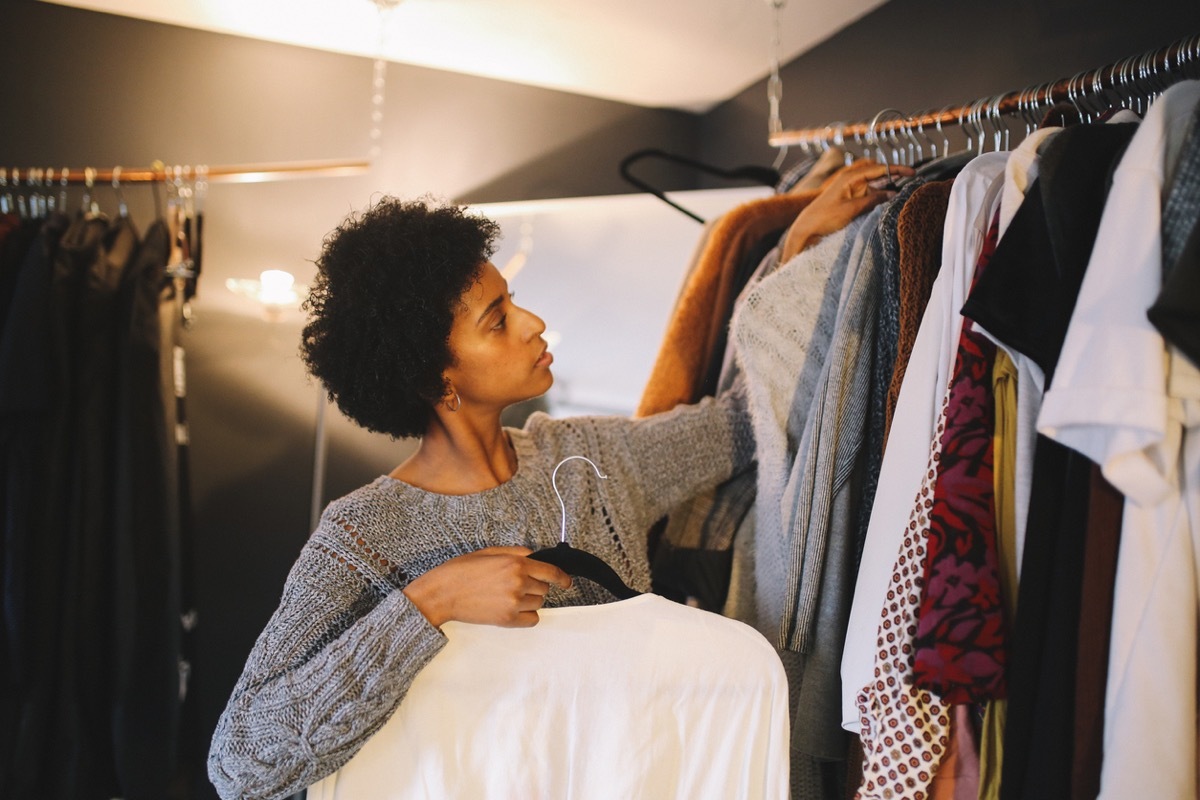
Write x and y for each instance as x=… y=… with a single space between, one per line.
x=380 y=310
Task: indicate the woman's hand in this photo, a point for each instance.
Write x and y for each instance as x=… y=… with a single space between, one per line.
x=851 y=191
x=492 y=586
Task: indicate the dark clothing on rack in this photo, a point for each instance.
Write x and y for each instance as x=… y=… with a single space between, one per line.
x=84 y=764
x=15 y=236
x=1176 y=311
x=146 y=531
x=90 y=530
x=1102 y=542
x=91 y=516
x=1030 y=298
x=1025 y=300
x=32 y=555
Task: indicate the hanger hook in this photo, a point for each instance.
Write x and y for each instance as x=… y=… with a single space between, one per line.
x=122 y=209
x=873 y=136
x=1001 y=138
x=554 y=483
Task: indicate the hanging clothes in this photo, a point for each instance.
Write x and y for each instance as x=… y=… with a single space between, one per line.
x=917 y=411
x=92 y=675
x=1049 y=539
x=919 y=236
x=703 y=306
x=1121 y=397
x=33 y=550
x=781 y=348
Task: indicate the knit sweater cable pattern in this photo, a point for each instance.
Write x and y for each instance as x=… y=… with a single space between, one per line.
x=345 y=643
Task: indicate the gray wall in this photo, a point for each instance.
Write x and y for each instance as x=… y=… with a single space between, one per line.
x=81 y=88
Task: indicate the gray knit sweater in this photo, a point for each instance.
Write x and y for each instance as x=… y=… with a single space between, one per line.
x=345 y=643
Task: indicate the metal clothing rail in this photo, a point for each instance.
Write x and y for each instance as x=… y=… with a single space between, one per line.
x=245 y=173
x=1141 y=75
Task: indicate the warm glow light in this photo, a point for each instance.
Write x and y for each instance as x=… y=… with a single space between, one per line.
x=275 y=291
x=275 y=287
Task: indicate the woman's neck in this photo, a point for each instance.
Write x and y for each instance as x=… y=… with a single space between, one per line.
x=460 y=455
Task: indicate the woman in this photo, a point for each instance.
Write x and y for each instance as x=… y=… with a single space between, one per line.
x=414 y=333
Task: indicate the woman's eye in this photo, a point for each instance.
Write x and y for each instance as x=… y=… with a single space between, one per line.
x=500 y=325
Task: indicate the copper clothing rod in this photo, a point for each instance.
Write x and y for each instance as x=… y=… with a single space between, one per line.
x=244 y=173
x=1138 y=75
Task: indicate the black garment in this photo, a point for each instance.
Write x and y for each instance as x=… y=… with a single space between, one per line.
x=28 y=556
x=1105 y=509
x=91 y=500
x=32 y=459
x=1025 y=299
x=1176 y=311
x=82 y=766
x=89 y=531
x=146 y=546
x=16 y=237
x=1027 y=302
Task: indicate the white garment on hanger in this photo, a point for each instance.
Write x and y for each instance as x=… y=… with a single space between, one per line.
x=1120 y=398
x=642 y=698
x=974 y=198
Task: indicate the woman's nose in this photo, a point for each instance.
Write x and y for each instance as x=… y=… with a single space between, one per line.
x=535 y=325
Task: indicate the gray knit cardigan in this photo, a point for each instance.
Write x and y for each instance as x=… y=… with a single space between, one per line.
x=344 y=645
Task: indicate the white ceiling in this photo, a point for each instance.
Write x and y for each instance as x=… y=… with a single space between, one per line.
x=687 y=54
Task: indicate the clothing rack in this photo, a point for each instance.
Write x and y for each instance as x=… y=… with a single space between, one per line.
x=160 y=173
x=1141 y=75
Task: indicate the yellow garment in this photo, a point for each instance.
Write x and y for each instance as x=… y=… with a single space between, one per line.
x=1004 y=456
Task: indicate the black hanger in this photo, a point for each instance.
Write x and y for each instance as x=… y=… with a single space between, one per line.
x=581 y=563
x=764 y=175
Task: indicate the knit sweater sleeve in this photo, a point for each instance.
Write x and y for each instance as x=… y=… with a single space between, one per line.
x=328 y=670
x=676 y=454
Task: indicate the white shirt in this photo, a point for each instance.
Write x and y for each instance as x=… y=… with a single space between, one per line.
x=1121 y=399
x=642 y=698
x=973 y=200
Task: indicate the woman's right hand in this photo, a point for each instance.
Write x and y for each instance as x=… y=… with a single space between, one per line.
x=492 y=586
